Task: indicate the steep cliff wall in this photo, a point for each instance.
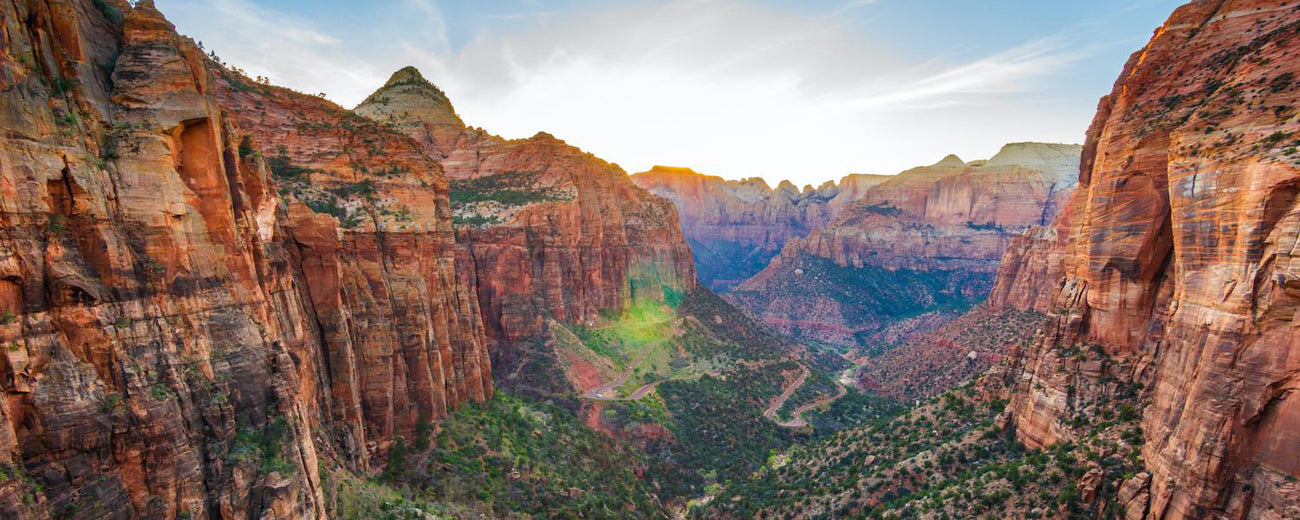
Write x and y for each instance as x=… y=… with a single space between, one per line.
x=736 y=227
x=369 y=217
x=929 y=238
x=545 y=230
x=1179 y=264
x=195 y=319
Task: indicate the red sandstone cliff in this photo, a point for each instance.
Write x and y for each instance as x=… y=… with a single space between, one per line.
x=735 y=227
x=1178 y=260
x=195 y=321
x=546 y=230
x=928 y=238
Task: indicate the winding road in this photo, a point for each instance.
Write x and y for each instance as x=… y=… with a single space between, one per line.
x=770 y=413
x=602 y=392
x=796 y=418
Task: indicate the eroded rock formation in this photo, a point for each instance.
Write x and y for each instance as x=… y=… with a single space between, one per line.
x=928 y=238
x=209 y=288
x=1178 y=262
x=736 y=227
x=548 y=231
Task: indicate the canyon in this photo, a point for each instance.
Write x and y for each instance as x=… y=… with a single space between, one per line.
x=221 y=298
x=1161 y=381
x=926 y=241
x=736 y=227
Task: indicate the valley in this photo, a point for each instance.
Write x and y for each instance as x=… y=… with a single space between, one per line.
x=222 y=298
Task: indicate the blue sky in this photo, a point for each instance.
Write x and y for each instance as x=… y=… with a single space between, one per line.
x=806 y=91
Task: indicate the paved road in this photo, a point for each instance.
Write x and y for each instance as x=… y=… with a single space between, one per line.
x=606 y=392
x=798 y=422
x=776 y=405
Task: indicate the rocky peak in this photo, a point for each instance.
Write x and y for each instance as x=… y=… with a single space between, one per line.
x=951 y=160
x=418 y=107
x=407 y=74
x=673 y=170
x=1060 y=161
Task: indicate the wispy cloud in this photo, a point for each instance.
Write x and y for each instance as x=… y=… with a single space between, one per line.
x=1008 y=72
x=732 y=87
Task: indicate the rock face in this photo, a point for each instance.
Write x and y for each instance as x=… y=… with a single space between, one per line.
x=548 y=231
x=209 y=288
x=735 y=227
x=930 y=237
x=369 y=217
x=1178 y=260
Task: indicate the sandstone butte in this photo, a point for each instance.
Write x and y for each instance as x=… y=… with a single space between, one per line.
x=212 y=288
x=736 y=227
x=1177 y=256
x=945 y=225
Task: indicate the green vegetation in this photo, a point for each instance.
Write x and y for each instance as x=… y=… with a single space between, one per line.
x=296 y=181
x=883 y=208
x=1274 y=139
x=520 y=456
x=511 y=188
x=818 y=385
x=985 y=227
x=854 y=410
x=870 y=295
x=56 y=224
x=160 y=392
x=282 y=168
x=720 y=330
x=1282 y=82
x=719 y=432
x=263 y=445
x=948 y=458
x=350 y=498
x=914 y=369
x=110 y=13
x=474 y=220
x=674 y=348
x=329 y=204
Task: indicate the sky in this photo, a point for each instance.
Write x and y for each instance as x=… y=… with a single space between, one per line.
x=806 y=90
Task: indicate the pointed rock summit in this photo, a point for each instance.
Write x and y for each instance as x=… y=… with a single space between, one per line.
x=406 y=74
x=410 y=100
x=951 y=160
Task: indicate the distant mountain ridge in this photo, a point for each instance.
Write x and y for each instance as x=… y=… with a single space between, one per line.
x=735 y=227
x=947 y=223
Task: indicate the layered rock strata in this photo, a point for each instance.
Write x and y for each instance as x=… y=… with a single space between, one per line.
x=209 y=288
x=547 y=230
x=931 y=236
x=1178 y=262
x=735 y=227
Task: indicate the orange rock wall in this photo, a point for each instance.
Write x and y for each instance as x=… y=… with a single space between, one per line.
x=597 y=245
x=1178 y=259
x=181 y=339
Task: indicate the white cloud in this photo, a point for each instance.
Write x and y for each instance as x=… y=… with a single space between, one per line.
x=724 y=86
